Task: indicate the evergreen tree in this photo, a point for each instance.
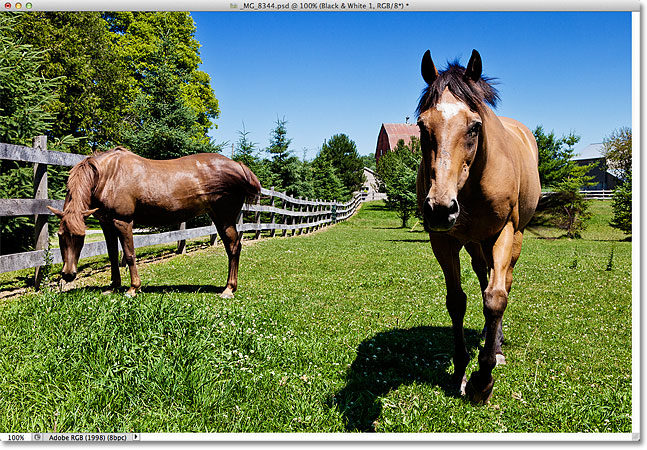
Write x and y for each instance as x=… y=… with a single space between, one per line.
x=25 y=97
x=284 y=166
x=163 y=126
x=327 y=185
x=137 y=37
x=245 y=150
x=622 y=206
x=555 y=156
x=341 y=151
x=617 y=149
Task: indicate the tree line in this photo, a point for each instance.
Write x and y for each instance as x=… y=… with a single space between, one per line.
x=566 y=208
x=90 y=81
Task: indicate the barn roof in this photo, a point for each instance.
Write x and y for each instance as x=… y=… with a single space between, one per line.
x=397 y=131
x=591 y=151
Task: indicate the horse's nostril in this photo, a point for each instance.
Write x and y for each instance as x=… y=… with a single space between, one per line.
x=453 y=207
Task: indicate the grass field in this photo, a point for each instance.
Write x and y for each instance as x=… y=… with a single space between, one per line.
x=338 y=331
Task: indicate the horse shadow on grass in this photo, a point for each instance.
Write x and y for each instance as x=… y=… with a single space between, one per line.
x=157 y=289
x=391 y=359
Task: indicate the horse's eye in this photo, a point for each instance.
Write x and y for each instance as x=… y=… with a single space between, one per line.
x=474 y=129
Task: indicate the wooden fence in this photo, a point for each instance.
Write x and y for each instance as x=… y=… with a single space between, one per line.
x=274 y=212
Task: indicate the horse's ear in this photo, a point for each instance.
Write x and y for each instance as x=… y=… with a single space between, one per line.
x=474 y=67
x=88 y=212
x=58 y=213
x=429 y=72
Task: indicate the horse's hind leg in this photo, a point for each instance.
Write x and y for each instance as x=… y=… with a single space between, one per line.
x=446 y=250
x=226 y=227
x=125 y=231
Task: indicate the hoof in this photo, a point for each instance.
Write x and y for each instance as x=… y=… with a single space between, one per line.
x=227 y=293
x=500 y=359
x=479 y=396
x=132 y=292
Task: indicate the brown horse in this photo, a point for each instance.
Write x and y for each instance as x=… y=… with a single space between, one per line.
x=478 y=187
x=121 y=188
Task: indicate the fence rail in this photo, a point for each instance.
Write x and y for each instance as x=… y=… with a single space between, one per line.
x=284 y=213
x=601 y=194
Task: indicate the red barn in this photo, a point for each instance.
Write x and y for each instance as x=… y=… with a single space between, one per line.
x=391 y=133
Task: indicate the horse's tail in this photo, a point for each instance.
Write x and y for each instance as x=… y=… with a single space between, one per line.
x=252 y=186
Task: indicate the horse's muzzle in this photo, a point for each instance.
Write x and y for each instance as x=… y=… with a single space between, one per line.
x=440 y=217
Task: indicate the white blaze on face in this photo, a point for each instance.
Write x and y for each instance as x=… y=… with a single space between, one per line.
x=449 y=110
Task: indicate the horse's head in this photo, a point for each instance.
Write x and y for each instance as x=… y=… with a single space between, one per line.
x=71 y=236
x=450 y=133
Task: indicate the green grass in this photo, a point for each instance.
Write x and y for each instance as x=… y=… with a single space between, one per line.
x=340 y=330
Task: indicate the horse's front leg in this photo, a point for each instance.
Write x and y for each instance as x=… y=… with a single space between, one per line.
x=125 y=231
x=495 y=300
x=447 y=249
x=110 y=233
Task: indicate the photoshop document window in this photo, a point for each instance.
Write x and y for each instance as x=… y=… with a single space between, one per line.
x=335 y=221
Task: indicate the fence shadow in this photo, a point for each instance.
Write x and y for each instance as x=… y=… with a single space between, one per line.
x=391 y=359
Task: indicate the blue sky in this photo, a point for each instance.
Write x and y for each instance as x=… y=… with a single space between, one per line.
x=329 y=73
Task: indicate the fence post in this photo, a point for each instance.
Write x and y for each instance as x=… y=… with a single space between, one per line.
x=41 y=229
x=213 y=238
x=285 y=219
x=301 y=208
x=272 y=215
x=181 y=244
x=239 y=223
x=258 y=218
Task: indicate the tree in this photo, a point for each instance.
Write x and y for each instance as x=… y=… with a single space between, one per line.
x=616 y=149
x=94 y=95
x=327 y=185
x=341 y=151
x=398 y=170
x=555 y=156
x=284 y=166
x=622 y=206
x=137 y=37
x=245 y=150
x=25 y=98
x=571 y=210
x=162 y=125
x=369 y=161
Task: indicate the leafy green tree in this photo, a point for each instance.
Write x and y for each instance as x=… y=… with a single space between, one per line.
x=137 y=37
x=369 y=161
x=555 y=156
x=341 y=151
x=397 y=171
x=616 y=149
x=92 y=99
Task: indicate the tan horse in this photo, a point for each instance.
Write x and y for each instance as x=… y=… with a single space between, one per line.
x=478 y=187
x=121 y=188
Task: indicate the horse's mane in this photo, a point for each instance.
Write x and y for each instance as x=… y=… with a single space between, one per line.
x=472 y=93
x=80 y=185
